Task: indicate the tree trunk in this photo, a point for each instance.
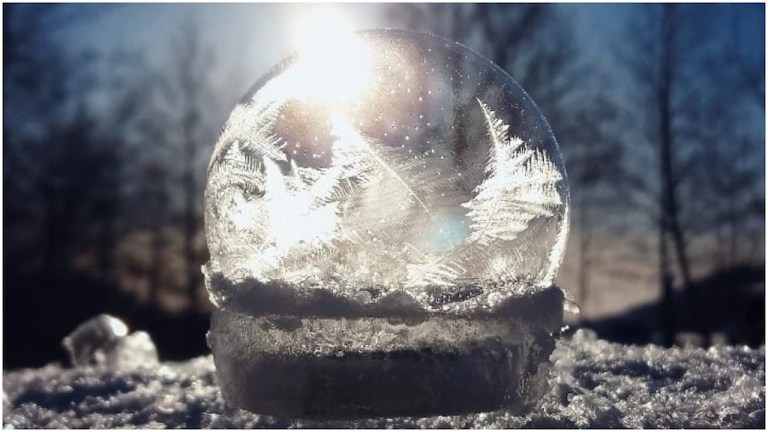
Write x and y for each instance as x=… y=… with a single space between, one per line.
x=107 y=245
x=666 y=144
x=191 y=73
x=190 y=210
x=665 y=280
x=668 y=207
x=585 y=261
x=156 y=265
x=158 y=203
x=53 y=241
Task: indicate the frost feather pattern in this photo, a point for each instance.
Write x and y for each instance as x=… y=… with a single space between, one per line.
x=521 y=186
x=318 y=215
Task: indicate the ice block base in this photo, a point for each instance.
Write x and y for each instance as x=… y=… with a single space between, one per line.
x=354 y=367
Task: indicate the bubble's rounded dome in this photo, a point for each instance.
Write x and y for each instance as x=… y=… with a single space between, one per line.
x=395 y=162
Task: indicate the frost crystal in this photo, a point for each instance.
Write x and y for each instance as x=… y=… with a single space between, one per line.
x=435 y=177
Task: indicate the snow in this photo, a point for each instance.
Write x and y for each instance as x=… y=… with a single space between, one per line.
x=594 y=384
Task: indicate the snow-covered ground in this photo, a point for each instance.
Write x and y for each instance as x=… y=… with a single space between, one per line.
x=594 y=384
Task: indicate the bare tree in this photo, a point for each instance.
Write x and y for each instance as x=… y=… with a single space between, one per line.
x=166 y=117
x=725 y=177
x=139 y=122
x=751 y=73
x=61 y=175
x=657 y=75
x=594 y=160
x=196 y=121
x=682 y=85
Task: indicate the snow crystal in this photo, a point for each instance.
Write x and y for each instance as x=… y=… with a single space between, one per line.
x=595 y=384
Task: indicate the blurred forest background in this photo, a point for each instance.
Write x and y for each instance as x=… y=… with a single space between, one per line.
x=110 y=114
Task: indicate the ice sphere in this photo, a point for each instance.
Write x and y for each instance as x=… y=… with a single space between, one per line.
x=392 y=175
x=436 y=177
x=104 y=341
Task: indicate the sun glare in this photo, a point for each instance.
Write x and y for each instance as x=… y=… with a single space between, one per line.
x=333 y=60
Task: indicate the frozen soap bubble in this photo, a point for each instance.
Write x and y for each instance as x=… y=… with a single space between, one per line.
x=399 y=163
x=387 y=212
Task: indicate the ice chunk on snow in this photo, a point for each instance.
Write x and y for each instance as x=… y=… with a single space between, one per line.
x=132 y=351
x=90 y=342
x=104 y=341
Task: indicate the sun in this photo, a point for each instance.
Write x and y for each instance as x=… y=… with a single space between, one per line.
x=333 y=61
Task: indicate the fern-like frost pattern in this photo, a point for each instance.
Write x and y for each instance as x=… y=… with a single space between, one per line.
x=521 y=186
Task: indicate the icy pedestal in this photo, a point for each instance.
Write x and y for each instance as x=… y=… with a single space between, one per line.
x=417 y=365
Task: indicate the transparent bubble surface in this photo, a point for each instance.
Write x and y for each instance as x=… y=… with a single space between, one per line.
x=392 y=165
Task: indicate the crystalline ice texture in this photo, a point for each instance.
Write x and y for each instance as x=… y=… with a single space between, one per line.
x=415 y=167
x=104 y=341
x=384 y=231
x=308 y=367
x=90 y=342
